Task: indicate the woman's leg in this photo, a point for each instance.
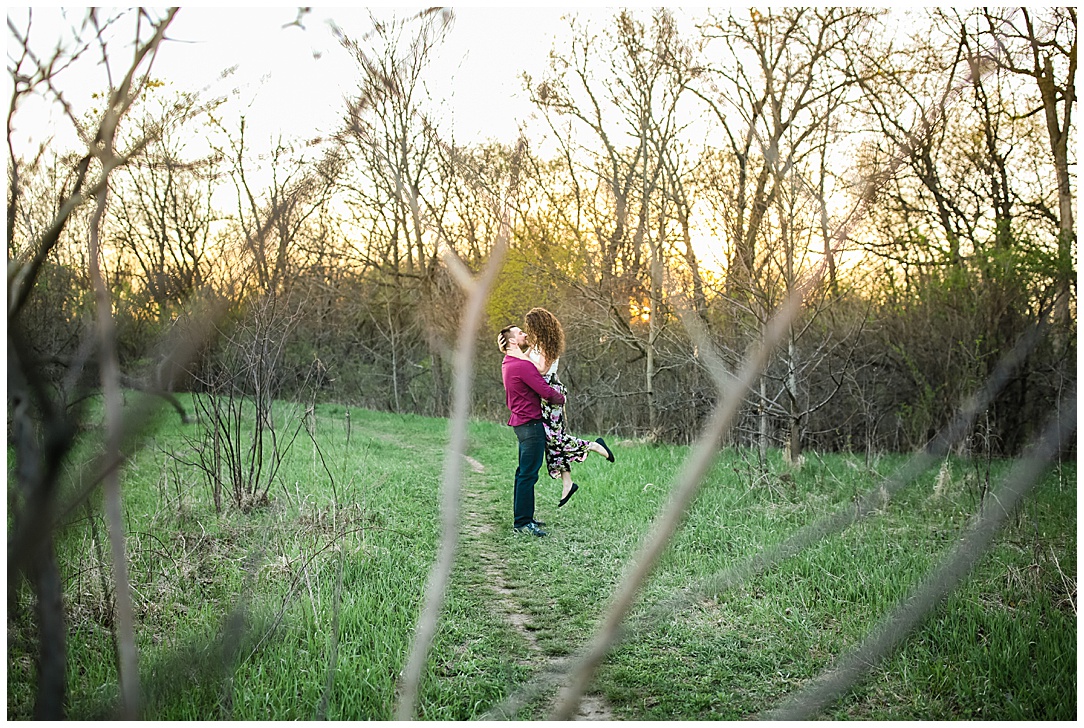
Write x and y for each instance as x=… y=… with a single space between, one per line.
x=566 y=481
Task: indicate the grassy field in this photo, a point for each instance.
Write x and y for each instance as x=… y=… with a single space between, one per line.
x=304 y=608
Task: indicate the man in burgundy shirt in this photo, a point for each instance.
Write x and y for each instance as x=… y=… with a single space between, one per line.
x=524 y=390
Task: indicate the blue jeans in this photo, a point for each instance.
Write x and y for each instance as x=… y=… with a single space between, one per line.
x=532 y=451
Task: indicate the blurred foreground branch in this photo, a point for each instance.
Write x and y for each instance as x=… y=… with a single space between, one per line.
x=478 y=291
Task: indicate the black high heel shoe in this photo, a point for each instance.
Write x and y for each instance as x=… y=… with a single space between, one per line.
x=609 y=453
x=565 y=499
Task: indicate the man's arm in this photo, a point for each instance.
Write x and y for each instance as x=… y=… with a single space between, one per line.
x=533 y=379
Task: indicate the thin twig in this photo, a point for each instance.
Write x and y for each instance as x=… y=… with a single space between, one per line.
x=440 y=574
x=686 y=488
x=333 y=661
x=1025 y=474
x=1070 y=589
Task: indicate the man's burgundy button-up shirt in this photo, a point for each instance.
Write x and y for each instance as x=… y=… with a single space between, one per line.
x=524 y=390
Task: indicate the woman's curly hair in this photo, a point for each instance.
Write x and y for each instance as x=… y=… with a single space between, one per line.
x=544 y=331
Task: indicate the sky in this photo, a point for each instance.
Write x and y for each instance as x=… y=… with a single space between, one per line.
x=292 y=75
x=301 y=74
x=292 y=78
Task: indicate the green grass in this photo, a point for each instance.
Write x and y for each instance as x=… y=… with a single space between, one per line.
x=241 y=615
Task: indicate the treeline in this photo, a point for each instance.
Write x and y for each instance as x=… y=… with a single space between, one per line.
x=914 y=165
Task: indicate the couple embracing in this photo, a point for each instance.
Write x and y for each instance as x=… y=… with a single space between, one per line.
x=536 y=398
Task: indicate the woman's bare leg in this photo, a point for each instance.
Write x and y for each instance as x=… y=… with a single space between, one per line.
x=596 y=448
x=566 y=479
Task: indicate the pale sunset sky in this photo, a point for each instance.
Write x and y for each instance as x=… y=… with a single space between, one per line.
x=292 y=79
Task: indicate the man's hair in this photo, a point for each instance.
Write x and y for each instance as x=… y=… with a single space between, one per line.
x=503 y=338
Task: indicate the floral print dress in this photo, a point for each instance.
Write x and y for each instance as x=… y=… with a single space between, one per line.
x=562 y=449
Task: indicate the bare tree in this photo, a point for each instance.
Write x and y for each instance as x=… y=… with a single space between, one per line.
x=777 y=82
x=394 y=150
x=1042 y=46
x=241 y=444
x=467 y=223
x=625 y=98
x=276 y=201
x=775 y=93
x=162 y=211
x=31 y=545
x=962 y=221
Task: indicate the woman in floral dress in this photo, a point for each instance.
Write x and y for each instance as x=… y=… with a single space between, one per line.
x=547 y=340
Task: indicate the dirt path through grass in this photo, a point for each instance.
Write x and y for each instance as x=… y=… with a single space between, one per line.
x=478 y=541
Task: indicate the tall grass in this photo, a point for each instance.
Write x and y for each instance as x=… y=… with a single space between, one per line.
x=305 y=608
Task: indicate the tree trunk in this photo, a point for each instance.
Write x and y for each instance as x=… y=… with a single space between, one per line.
x=649 y=379
x=794 y=420
x=440 y=398
x=1059 y=146
x=393 y=336
x=762 y=416
x=700 y=304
